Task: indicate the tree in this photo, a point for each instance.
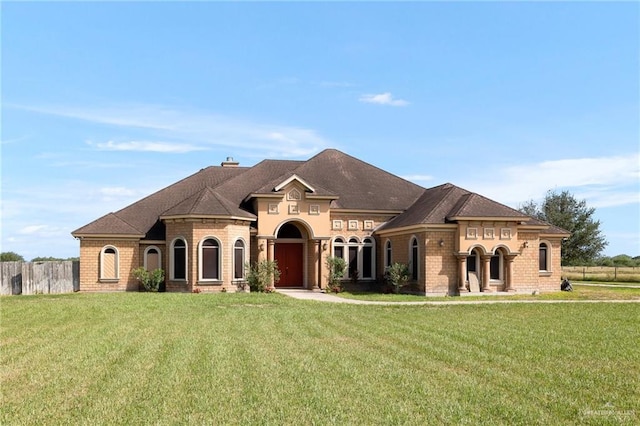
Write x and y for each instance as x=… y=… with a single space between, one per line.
x=562 y=210
x=9 y=256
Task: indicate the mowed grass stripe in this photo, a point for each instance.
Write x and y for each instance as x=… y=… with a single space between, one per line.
x=266 y=359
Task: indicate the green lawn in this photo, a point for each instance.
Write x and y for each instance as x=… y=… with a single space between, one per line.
x=141 y=358
x=580 y=292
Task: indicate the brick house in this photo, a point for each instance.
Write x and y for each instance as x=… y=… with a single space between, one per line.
x=204 y=229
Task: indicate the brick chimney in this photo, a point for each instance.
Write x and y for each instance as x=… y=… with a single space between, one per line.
x=230 y=163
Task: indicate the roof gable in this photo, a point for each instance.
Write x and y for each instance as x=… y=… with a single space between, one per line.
x=359 y=185
x=447 y=203
x=207 y=202
x=108 y=224
x=292 y=178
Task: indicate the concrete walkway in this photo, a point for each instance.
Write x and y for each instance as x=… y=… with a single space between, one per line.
x=324 y=297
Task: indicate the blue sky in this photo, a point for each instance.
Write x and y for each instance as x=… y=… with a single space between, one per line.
x=105 y=103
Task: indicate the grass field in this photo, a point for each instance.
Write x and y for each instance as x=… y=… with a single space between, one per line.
x=602 y=273
x=582 y=291
x=142 y=358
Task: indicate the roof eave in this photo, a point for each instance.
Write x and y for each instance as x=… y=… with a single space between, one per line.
x=489 y=218
x=82 y=235
x=207 y=216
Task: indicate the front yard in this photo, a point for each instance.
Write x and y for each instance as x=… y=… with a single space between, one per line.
x=142 y=358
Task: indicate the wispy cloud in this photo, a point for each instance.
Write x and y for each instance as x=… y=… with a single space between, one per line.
x=603 y=182
x=147 y=146
x=191 y=130
x=418 y=178
x=383 y=99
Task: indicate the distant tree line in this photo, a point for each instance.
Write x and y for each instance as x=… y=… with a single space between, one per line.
x=9 y=256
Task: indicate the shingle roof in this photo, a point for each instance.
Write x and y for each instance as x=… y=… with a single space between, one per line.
x=352 y=183
x=207 y=202
x=359 y=185
x=444 y=203
x=143 y=214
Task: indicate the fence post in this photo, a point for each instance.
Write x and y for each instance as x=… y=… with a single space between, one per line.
x=584 y=273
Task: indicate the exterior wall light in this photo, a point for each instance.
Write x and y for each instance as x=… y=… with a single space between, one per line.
x=441 y=242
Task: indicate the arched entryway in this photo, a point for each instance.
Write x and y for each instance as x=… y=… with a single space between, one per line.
x=474 y=276
x=289 y=253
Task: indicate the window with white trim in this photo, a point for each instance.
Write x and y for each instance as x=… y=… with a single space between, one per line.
x=178 y=260
x=388 y=254
x=152 y=258
x=109 y=259
x=238 y=260
x=360 y=256
x=414 y=258
x=544 y=257
x=209 y=254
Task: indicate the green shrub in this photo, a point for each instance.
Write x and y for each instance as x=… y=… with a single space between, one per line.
x=337 y=267
x=261 y=274
x=150 y=281
x=397 y=276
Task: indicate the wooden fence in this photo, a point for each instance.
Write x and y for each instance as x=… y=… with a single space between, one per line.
x=602 y=273
x=39 y=277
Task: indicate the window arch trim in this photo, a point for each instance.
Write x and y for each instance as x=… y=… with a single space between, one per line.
x=172 y=259
x=547 y=259
x=106 y=264
x=146 y=254
x=201 y=259
x=239 y=270
x=414 y=257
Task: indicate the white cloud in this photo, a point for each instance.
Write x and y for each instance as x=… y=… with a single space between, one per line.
x=383 y=99
x=605 y=181
x=418 y=178
x=147 y=146
x=117 y=191
x=193 y=130
x=32 y=229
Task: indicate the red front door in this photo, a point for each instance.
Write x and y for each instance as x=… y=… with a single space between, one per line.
x=289 y=258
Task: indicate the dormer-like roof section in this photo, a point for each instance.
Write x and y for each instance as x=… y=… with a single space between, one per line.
x=143 y=214
x=110 y=224
x=207 y=203
x=448 y=203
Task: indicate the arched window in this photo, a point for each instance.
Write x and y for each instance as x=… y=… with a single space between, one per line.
x=360 y=256
x=544 y=260
x=495 y=267
x=387 y=254
x=152 y=258
x=367 y=259
x=178 y=259
x=238 y=260
x=210 y=260
x=109 y=259
x=414 y=258
x=338 y=248
x=352 y=260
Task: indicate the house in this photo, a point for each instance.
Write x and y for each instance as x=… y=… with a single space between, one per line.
x=204 y=229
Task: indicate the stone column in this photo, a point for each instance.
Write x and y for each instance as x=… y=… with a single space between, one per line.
x=462 y=272
x=486 y=272
x=271 y=252
x=509 y=273
x=318 y=263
